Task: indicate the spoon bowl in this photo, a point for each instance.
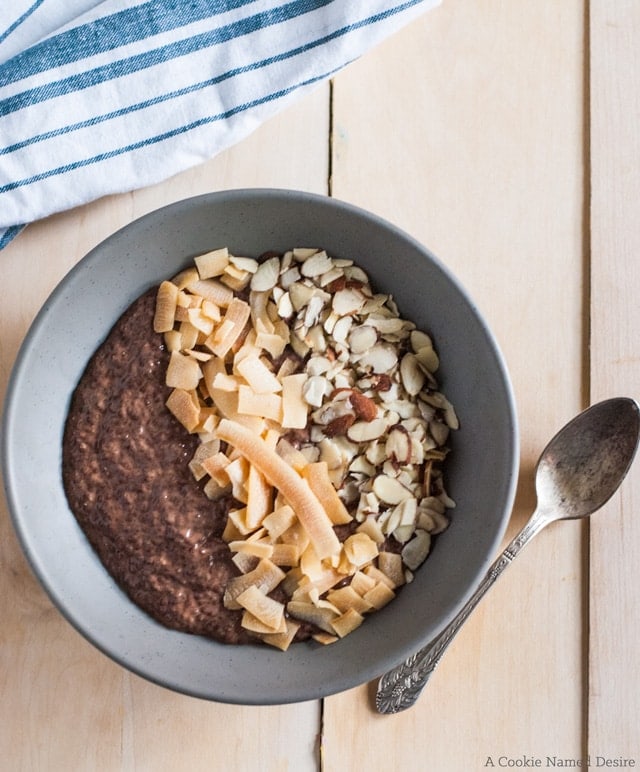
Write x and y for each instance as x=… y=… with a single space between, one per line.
x=584 y=464
x=578 y=472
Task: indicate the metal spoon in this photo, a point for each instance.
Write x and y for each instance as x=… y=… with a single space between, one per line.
x=577 y=473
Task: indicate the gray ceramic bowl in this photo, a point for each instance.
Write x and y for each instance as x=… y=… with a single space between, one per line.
x=481 y=471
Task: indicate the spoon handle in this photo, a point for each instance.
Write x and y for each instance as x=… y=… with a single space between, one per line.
x=400 y=687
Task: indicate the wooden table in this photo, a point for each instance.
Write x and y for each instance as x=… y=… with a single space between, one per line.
x=504 y=134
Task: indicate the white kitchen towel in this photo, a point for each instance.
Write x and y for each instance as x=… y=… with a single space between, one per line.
x=106 y=97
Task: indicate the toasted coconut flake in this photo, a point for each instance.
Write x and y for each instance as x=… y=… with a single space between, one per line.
x=371 y=527
x=380 y=595
x=360 y=549
x=345 y=598
x=262 y=405
x=297 y=535
x=309 y=510
x=259 y=377
x=165 y=310
x=317 y=476
x=183 y=372
x=272 y=343
x=325 y=638
x=228 y=332
x=278 y=521
x=269 y=611
x=308 y=612
x=294 y=457
x=212 y=290
x=285 y=554
x=266 y=576
x=294 y=408
x=362 y=583
x=347 y=622
x=183 y=403
x=282 y=641
x=212 y=263
x=258 y=549
x=213 y=490
x=259 y=498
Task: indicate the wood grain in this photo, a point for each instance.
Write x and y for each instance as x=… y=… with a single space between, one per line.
x=480 y=157
x=614 y=686
x=64 y=705
x=469 y=130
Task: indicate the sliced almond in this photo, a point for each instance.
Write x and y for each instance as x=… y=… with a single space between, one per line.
x=398 y=446
x=317 y=264
x=427 y=358
x=381 y=358
x=414 y=552
x=347 y=301
x=362 y=338
x=366 y=431
x=389 y=490
x=364 y=407
x=266 y=277
x=413 y=378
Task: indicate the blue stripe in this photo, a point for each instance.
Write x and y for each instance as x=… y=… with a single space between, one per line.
x=176 y=94
x=165 y=135
x=109 y=32
x=13 y=27
x=9 y=234
x=159 y=55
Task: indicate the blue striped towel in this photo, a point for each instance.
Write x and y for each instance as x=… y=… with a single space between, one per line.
x=100 y=97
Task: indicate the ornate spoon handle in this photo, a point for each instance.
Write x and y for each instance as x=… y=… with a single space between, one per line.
x=400 y=687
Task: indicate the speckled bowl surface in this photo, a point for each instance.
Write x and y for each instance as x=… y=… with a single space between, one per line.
x=480 y=472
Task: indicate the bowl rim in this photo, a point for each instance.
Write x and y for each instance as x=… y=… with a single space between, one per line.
x=21 y=365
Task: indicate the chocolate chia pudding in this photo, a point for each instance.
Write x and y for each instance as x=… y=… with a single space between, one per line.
x=126 y=476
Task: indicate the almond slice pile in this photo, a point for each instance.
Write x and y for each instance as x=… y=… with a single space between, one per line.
x=318 y=411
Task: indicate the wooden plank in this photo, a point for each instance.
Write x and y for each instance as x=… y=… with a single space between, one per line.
x=466 y=129
x=64 y=705
x=614 y=681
